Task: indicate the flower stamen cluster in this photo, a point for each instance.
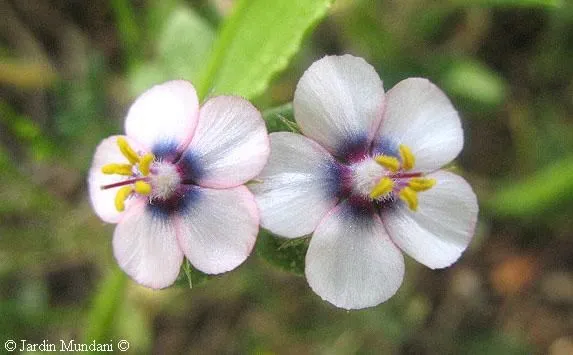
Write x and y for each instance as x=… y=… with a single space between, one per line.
x=137 y=169
x=397 y=182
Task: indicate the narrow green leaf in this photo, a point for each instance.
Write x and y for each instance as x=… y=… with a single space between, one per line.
x=544 y=191
x=513 y=3
x=287 y=254
x=256 y=42
x=106 y=302
x=128 y=29
x=472 y=80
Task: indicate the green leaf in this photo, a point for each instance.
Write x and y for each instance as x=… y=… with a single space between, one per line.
x=27 y=132
x=280 y=118
x=287 y=254
x=128 y=29
x=256 y=42
x=103 y=311
x=145 y=75
x=507 y=3
x=472 y=80
x=157 y=14
x=495 y=342
x=184 y=41
x=189 y=276
x=542 y=192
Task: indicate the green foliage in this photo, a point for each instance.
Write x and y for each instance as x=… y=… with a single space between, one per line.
x=257 y=42
x=82 y=108
x=189 y=276
x=539 y=193
x=129 y=32
x=145 y=75
x=280 y=118
x=494 y=343
x=27 y=132
x=157 y=15
x=473 y=81
x=107 y=301
x=287 y=254
x=507 y=3
x=184 y=41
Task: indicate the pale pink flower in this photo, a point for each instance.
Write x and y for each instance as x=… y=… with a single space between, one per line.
x=174 y=183
x=365 y=181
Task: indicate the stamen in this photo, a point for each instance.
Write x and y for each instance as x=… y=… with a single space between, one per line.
x=384 y=186
x=142 y=188
x=409 y=196
x=405 y=175
x=121 y=196
x=421 y=184
x=127 y=151
x=120 y=169
x=145 y=163
x=390 y=163
x=408 y=159
x=120 y=183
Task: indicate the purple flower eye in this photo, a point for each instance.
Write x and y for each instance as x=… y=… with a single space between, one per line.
x=174 y=183
x=365 y=180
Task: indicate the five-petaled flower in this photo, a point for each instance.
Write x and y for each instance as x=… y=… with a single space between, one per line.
x=365 y=181
x=174 y=183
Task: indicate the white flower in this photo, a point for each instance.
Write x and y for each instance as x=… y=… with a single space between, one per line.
x=365 y=181
x=174 y=183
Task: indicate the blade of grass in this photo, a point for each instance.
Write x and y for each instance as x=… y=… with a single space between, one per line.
x=106 y=302
x=128 y=29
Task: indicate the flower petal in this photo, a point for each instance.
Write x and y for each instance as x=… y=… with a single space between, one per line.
x=441 y=229
x=298 y=185
x=230 y=144
x=338 y=102
x=218 y=228
x=351 y=262
x=107 y=152
x=419 y=115
x=145 y=246
x=166 y=113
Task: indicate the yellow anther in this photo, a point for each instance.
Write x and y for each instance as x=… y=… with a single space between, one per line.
x=142 y=188
x=384 y=186
x=390 y=163
x=421 y=184
x=409 y=196
x=408 y=159
x=120 y=169
x=145 y=163
x=127 y=151
x=121 y=196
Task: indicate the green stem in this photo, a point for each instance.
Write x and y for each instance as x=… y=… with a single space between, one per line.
x=104 y=308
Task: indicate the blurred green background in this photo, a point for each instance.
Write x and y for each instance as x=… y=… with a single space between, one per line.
x=70 y=69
